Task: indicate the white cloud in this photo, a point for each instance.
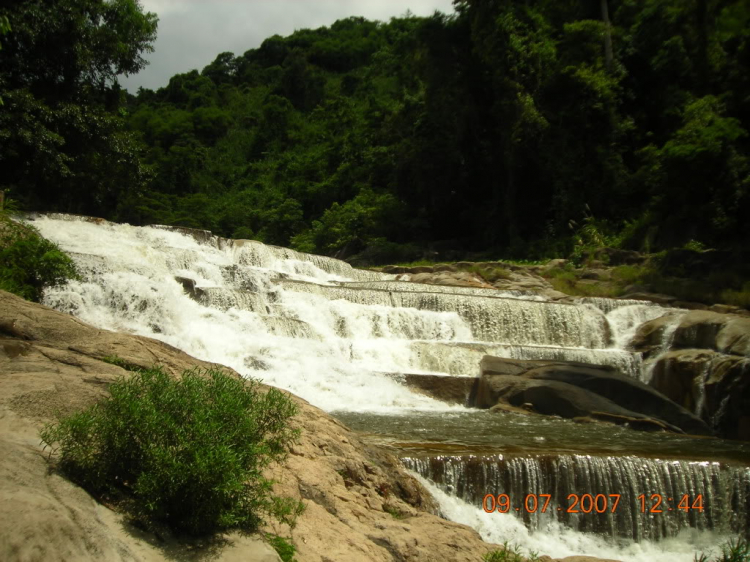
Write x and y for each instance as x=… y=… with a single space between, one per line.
x=192 y=32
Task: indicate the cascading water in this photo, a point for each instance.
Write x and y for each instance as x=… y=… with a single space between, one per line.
x=327 y=332
x=622 y=496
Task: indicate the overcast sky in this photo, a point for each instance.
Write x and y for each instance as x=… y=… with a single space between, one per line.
x=192 y=32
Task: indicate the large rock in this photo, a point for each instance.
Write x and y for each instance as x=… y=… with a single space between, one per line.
x=571 y=389
x=447 y=388
x=51 y=362
x=698 y=329
x=680 y=375
x=714 y=385
x=700 y=360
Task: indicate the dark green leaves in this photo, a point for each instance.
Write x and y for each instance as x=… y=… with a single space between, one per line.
x=190 y=452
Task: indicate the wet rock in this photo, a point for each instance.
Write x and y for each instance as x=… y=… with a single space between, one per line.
x=657 y=298
x=451 y=389
x=570 y=390
x=710 y=330
x=189 y=286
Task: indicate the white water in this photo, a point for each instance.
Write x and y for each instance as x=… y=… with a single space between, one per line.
x=558 y=541
x=285 y=317
x=129 y=286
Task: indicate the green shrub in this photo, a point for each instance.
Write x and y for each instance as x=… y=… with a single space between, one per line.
x=628 y=274
x=509 y=553
x=28 y=262
x=187 y=452
x=737 y=298
x=283 y=548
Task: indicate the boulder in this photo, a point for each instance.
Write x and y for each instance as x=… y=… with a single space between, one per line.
x=698 y=329
x=726 y=333
x=555 y=264
x=728 y=397
x=714 y=385
x=650 y=336
x=421 y=269
x=447 y=388
x=571 y=389
x=680 y=375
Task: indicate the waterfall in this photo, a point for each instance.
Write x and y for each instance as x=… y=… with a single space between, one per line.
x=625 y=496
x=334 y=335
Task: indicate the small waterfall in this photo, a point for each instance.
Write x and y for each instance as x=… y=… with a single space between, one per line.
x=492 y=319
x=460 y=358
x=607 y=305
x=425 y=288
x=667 y=337
x=624 y=321
x=656 y=498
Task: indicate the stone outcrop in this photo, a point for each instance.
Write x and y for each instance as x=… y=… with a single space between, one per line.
x=705 y=368
x=698 y=329
x=51 y=362
x=519 y=279
x=578 y=390
x=713 y=385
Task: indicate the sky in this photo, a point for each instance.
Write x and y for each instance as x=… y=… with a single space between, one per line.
x=192 y=32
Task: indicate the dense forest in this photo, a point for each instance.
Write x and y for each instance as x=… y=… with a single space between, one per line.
x=507 y=128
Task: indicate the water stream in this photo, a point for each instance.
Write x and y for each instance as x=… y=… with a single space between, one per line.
x=328 y=333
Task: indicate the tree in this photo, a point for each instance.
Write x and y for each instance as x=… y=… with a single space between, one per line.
x=70 y=50
x=62 y=143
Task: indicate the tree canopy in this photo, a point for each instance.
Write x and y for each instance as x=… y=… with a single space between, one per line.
x=62 y=143
x=491 y=129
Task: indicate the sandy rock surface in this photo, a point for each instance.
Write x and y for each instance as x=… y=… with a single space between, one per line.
x=361 y=504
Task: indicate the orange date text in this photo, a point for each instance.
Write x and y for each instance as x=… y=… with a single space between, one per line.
x=540 y=503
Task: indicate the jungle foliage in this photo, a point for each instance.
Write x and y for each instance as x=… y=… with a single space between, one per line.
x=498 y=128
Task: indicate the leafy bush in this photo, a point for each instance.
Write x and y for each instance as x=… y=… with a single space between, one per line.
x=737 y=298
x=187 y=452
x=283 y=548
x=28 y=262
x=509 y=553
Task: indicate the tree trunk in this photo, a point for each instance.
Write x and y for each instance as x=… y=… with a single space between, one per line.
x=701 y=23
x=607 y=34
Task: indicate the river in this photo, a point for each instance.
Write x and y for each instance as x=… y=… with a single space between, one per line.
x=335 y=335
